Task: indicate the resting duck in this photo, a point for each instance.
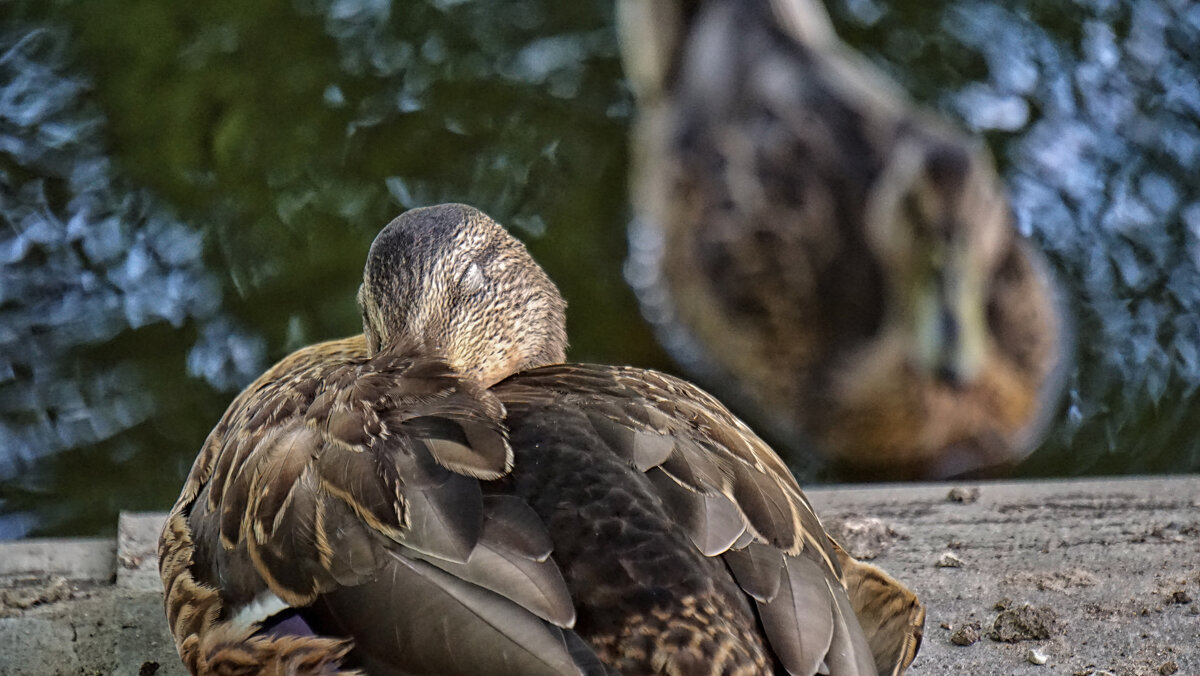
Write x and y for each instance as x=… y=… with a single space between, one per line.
x=848 y=259
x=442 y=495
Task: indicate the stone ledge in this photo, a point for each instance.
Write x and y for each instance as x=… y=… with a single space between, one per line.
x=1107 y=557
x=93 y=559
x=1117 y=563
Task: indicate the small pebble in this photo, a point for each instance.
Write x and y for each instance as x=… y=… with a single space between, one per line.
x=1181 y=597
x=967 y=634
x=963 y=495
x=1168 y=668
x=1036 y=656
x=949 y=560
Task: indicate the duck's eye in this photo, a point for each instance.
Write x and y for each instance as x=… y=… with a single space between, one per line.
x=472 y=281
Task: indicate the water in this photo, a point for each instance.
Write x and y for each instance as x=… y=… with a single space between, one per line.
x=188 y=191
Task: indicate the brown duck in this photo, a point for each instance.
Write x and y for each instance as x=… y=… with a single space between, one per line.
x=845 y=257
x=442 y=495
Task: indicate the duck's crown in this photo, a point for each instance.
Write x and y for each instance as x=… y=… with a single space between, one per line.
x=452 y=279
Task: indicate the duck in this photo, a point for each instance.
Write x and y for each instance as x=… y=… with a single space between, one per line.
x=840 y=264
x=445 y=494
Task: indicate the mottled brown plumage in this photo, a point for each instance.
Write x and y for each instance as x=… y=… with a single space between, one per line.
x=886 y=610
x=437 y=496
x=849 y=260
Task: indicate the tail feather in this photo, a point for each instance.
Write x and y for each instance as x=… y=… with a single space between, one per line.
x=890 y=614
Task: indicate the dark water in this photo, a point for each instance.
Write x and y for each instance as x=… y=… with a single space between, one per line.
x=188 y=190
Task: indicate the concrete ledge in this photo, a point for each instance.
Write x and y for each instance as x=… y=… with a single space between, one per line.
x=1111 y=568
x=92 y=559
x=86 y=605
x=1116 y=561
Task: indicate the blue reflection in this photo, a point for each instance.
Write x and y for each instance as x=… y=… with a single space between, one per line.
x=85 y=257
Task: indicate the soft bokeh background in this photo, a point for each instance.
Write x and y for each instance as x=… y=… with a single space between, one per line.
x=187 y=191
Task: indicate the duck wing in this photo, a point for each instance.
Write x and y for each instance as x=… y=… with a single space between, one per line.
x=731 y=494
x=348 y=485
x=659 y=422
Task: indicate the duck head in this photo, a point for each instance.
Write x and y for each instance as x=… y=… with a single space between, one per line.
x=454 y=280
x=939 y=227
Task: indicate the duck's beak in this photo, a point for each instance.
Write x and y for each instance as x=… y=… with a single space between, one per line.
x=950 y=328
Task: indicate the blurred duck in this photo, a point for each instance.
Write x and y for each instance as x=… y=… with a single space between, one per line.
x=803 y=230
x=442 y=495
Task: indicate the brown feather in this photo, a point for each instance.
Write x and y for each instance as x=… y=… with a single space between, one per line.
x=446 y=520
x=329 y=460
x=348 y=551
x=510 y=525
x=489 y=461
x=275 y=478
x=891 y=615
x=712 y=522
x=354 y=477
x=534 y=584
x=758 y=569
x=799 y=621
x=849 y=652
x=448 y=626
x=693 y=466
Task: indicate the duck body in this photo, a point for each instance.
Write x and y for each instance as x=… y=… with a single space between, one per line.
x=365 y=504
x=642 y=500
x=847 y=259
x=643 y=590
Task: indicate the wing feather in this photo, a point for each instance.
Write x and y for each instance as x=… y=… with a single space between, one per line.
x=513 y=526
x=735 y=498
x=758 y=569
x=799 y=621
x=488 y=633
x=336 y=470
x=711 y=521
x=534 y=584
x=644 y=416
x=849 y=654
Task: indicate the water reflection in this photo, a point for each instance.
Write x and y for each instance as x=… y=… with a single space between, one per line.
x=88 y=261
x=216 y=178
x=188 y=189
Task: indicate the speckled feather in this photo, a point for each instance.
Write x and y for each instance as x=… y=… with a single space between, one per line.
x=649 y=598
x=330 y=466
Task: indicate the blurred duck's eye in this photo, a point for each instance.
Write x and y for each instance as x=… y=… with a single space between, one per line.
x=472 y=281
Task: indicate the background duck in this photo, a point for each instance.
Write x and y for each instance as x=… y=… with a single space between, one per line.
x=847 y=259
x=444 y=495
